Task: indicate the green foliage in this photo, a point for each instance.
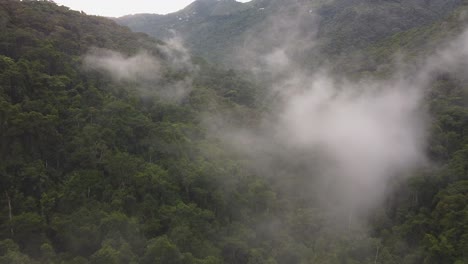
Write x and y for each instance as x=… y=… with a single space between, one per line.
x=93 y=172
x=216 y=29
x=10 y=253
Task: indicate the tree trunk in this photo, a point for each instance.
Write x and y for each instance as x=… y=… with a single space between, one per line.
x=10 y=216
x=377 y=255
x=350 y=215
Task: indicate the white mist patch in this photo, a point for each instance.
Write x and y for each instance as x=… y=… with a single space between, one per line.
x=347 y=138
x=278 y=42
x=382 y=126
x=453 y=58
x=368 y=131
x=146 y=72
x=177 y=54
x=140 y=67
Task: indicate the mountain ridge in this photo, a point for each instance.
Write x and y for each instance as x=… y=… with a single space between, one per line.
x=344 y=25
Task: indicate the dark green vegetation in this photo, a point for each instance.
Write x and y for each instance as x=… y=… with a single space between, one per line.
x=91 y=172
x=214 y=29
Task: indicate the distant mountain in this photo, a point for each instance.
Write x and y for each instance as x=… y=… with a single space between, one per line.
x=208 y=26
x=214 y=28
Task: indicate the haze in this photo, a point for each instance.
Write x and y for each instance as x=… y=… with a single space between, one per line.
x=120 y=8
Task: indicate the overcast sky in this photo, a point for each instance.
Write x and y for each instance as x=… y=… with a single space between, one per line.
x=116 y=8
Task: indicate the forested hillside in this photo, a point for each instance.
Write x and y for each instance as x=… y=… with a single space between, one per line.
x=119 y=148
x=93 y=171
x=216 y=29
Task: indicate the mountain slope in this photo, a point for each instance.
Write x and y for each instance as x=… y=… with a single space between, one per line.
x=96 y=170
x=98 y=165
x=344 y=25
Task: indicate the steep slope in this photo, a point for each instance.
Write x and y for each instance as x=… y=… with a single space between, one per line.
x=344 y=25
x=208 y=27
x=197 y=12
x=93 y=168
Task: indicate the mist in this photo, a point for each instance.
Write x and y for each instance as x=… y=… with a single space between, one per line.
x=149 y=73
x=346 y=138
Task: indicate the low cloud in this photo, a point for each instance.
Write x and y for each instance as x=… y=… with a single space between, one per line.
x=149 y=74
x=140 y=67
x=345 y=138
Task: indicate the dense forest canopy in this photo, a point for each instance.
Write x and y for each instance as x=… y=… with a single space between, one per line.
x=215 y=29
x=119 y=148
